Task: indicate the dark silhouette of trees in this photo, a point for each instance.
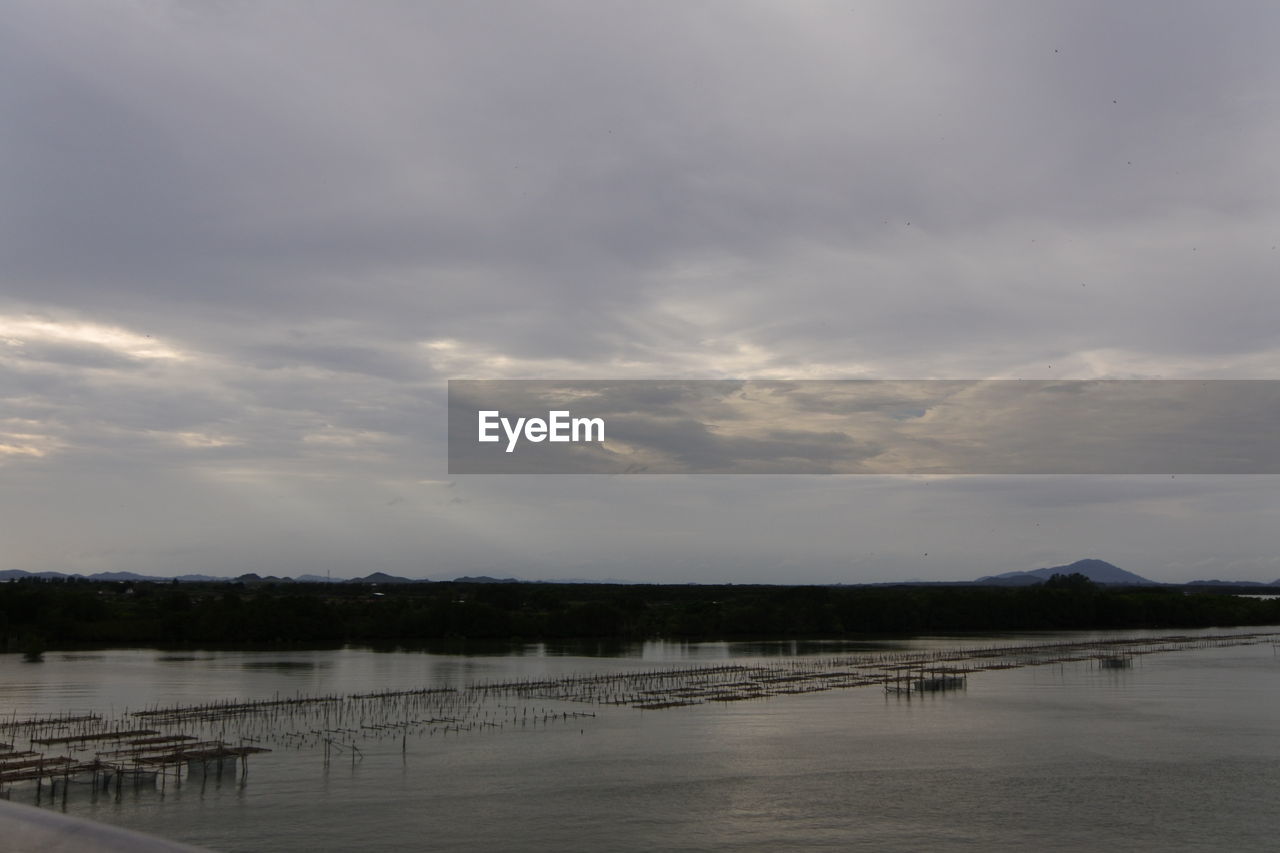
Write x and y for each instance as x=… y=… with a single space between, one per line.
x=62 y=614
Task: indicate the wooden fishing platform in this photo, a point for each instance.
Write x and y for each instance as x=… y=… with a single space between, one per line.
x=119 y=735
x=203 y=752
x=49 y=720
x=192 y=740
x=140 y=764
x=163 y=739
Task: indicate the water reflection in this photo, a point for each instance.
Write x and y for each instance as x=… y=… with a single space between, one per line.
x=649 y=650
x=1064 y=750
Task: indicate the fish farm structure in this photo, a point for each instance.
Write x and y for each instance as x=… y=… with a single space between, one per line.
x=50 y=757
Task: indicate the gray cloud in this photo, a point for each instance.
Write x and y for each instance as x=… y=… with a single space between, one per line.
x=320 y=211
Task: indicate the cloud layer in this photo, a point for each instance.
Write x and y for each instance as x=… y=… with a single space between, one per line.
x=244 y=245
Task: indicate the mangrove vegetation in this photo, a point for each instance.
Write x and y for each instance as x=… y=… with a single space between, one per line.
x=35 y=613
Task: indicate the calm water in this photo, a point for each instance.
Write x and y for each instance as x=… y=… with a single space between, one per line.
x=1181 y=752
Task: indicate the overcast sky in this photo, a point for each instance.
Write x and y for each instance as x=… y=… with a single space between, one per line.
x=243 y=245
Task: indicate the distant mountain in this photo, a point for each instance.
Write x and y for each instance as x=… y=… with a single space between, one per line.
x=14 y=574
x=11 y=574
x=1098 y=571
x=106 y=577
x=383 y=577
x=249 y=578
x=489 y=579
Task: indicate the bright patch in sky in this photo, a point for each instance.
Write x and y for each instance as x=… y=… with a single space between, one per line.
x=19 y=331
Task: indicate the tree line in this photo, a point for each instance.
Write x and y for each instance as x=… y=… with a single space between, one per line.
x=37 y=613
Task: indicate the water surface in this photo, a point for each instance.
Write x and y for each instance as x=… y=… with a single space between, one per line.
x=1179 y=752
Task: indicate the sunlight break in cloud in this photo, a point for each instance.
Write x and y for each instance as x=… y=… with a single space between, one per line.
x=17 y=331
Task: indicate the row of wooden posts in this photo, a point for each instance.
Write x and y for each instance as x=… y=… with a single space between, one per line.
x=156 y=743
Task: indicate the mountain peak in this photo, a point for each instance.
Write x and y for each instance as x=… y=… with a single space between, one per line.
x=381 y=577
x=1098 y=571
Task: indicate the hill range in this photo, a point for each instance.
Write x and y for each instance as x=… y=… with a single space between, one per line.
x=1098 y=571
